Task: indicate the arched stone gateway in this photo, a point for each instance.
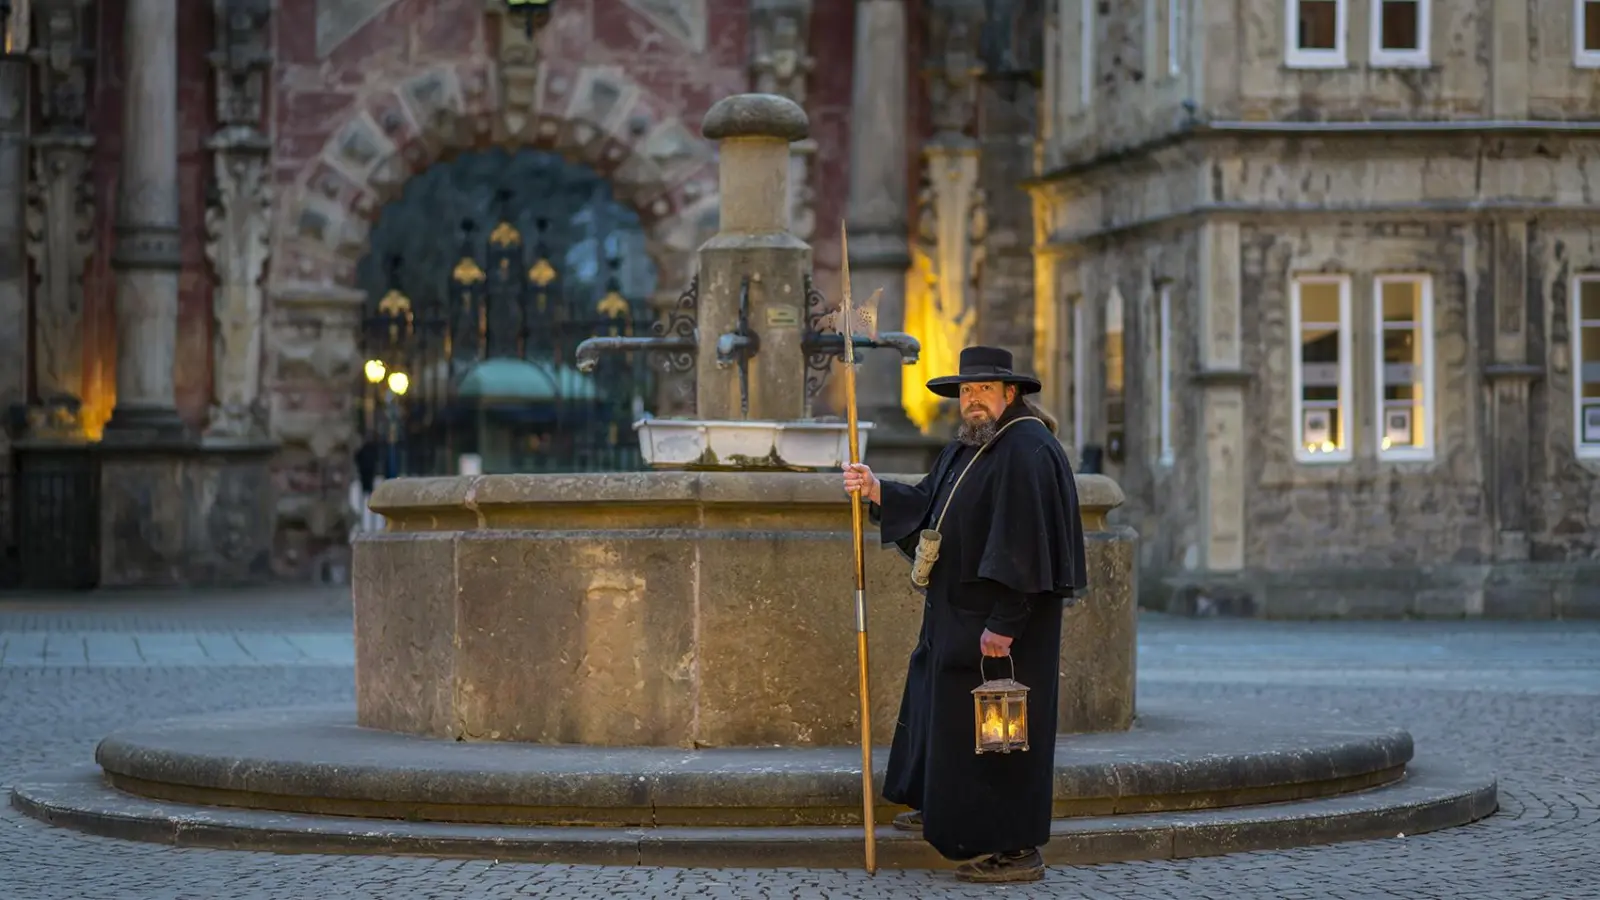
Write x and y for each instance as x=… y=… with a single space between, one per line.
x=594 y=116
x=480 y=282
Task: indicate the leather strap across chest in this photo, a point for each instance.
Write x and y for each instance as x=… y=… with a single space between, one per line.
x=968 y=467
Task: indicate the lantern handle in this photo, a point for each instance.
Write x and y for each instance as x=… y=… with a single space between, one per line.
x=1009 y=658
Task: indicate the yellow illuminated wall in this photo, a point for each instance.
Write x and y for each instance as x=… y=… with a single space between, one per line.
x=940 y=355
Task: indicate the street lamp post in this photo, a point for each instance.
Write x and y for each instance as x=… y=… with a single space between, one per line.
x=375 y=371
x=398 y=383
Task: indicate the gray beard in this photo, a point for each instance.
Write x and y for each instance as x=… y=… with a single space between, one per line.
x=976 y=435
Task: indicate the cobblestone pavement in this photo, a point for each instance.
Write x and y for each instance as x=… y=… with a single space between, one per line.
x=1522 y=699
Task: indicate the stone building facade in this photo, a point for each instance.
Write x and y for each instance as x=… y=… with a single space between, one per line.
x=189 y=189
x=1318 y=282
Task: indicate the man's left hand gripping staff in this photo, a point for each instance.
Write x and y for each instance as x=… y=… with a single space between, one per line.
x=857 y=477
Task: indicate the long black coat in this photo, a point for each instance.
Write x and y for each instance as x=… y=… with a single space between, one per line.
x=1012 y=551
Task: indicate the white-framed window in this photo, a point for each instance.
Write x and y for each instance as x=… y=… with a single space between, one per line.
x=1086 y=55
x=1176 y=32
x=1164 y=375
x=1115 y=382
x=1315 y=34
x=1080 y=373
x=1586 y=364
x=1319 y=312
x=1162 y=28
x=1400 y=32
x=1403 y=306
x=1586 y=34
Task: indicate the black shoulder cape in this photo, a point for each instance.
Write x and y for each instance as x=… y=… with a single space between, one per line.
x=1029 y=536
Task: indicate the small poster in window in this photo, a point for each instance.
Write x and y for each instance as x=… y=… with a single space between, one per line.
x=1397 y=427
x=1317 y=427
x=1591 y=424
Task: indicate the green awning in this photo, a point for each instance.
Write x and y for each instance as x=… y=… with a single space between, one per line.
x=525 y=381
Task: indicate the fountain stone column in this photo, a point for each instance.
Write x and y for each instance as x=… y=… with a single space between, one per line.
x=753 y=252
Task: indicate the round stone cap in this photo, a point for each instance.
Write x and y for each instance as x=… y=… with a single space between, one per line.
x=756 y=115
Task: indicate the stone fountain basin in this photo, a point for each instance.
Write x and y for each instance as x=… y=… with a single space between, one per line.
x=668 y=609
x=704 y=444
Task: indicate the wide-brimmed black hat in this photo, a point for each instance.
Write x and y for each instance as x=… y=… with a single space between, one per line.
x=983 y=364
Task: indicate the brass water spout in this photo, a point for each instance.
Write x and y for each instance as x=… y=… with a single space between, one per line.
x=832 y=343
x=588 y=353
x=677 y=338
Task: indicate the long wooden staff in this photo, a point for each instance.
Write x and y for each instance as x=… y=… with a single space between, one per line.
x=847 y=326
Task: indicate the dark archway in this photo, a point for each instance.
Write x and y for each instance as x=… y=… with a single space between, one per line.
x=481 y=279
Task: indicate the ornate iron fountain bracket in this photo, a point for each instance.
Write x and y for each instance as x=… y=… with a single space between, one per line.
x=817 y=363
x=680 y=323
x=823 y=345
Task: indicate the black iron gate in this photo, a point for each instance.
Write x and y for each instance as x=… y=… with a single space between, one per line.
x=471 y=330
x=50 y=520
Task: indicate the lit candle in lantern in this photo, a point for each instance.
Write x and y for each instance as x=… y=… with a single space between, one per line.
x=994 y=727
x=1000 y=711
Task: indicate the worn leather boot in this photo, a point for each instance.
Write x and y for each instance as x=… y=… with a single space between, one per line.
x=1023 y=865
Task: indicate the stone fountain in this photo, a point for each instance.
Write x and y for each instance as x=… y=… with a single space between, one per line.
x=659 y=667
x=748 y=325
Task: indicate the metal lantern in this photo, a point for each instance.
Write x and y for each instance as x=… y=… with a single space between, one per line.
x=1000 y=713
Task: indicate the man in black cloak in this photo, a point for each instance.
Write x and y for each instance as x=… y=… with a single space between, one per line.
x=1011 y=556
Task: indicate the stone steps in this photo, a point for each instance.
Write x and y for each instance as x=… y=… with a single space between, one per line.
x=1427 y=799
x=318 y=761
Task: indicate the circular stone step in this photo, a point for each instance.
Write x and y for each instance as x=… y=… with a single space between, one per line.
x=318 y=761
x=1428 y=799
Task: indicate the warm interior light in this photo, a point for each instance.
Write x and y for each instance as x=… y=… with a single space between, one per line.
x=994 y=728
x=398 y=382
x=375 y=371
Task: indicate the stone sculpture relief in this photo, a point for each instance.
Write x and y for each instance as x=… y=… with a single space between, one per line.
x=780 y=65
x=60 y=220
x=237 y=241
x=959 y=225
x=61 y=59
x=238 y=217
x=517 y=58
x=242 y=58
x=953 y=33
x=60 y=215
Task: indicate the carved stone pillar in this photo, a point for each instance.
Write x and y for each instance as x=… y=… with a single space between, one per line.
x=313 y=342
x=1222 y=381
x=877 y=215
x=146 y=255
x=1004 y=295
x=60 y=216
x=238 y=217
x=952 y=221
x=13 y=263
x=780 y=65
x=1510 y=376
